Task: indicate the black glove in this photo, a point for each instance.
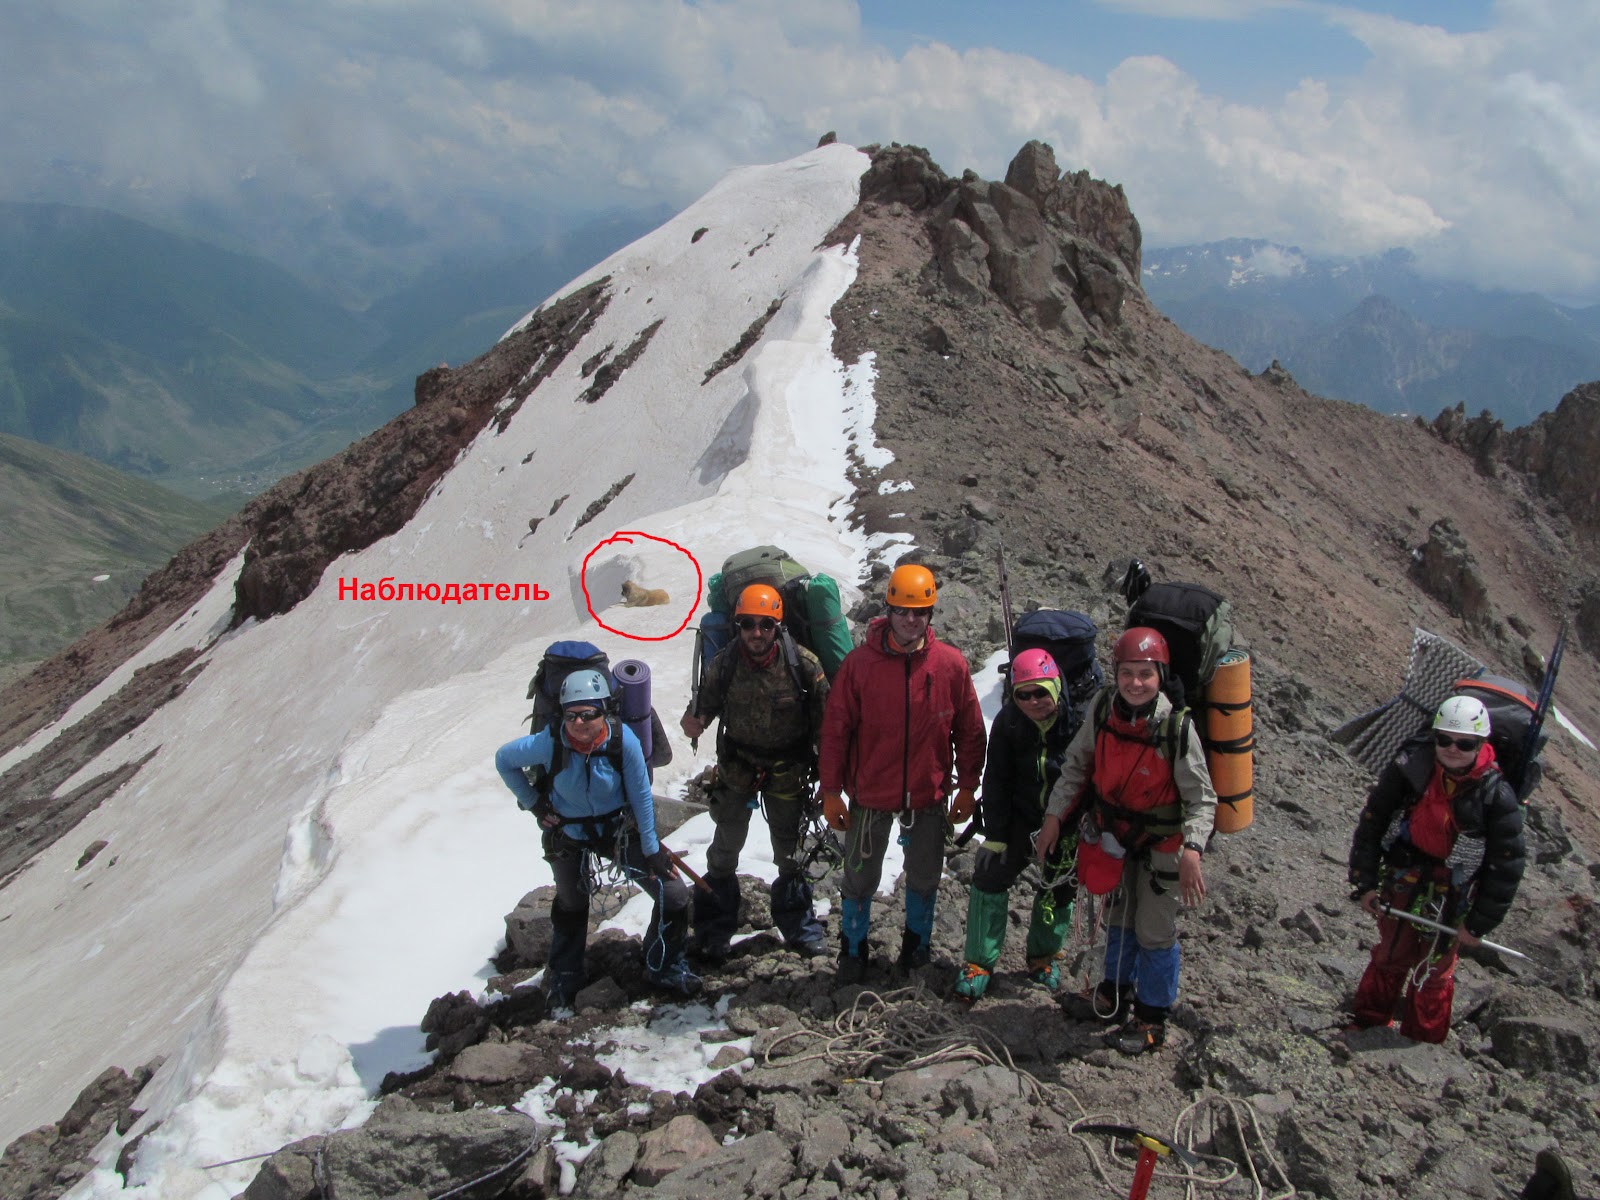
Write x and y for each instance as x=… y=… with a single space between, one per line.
x=661 y=864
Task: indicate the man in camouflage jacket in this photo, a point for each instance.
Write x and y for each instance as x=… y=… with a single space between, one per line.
x=770 y=709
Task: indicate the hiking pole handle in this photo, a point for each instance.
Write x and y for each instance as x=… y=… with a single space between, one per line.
x=1426 y=923
x=677 y=861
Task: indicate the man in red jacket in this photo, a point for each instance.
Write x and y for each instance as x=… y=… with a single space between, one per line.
x=901 y=726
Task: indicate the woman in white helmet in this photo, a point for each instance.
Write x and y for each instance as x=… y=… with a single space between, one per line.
x=589 y=770
x=1441 y=837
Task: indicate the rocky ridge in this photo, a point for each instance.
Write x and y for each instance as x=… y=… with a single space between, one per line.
x=288 y=535
x=1056 y=411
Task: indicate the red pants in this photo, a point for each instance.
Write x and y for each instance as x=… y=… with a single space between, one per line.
x=1402 y=948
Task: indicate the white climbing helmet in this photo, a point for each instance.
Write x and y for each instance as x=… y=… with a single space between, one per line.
x=585 y=687
x=1463 y=715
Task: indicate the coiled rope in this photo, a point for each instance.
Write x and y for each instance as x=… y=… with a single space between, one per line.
x=907 y=1029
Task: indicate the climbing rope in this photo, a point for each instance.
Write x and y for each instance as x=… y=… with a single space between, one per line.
x=907 y=1029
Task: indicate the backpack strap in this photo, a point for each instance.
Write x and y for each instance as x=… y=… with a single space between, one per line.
x=1172 y=735
x=560 y=752
x=791 y=658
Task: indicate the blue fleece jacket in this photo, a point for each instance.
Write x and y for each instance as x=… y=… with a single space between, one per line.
x=588 y=786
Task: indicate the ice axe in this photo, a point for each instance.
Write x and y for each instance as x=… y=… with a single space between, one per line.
x=1150 y=1149
x=677 y=861
x=694 y=686
x=1426 y=923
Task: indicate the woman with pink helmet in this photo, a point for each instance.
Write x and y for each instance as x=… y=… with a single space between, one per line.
x=1027 y=741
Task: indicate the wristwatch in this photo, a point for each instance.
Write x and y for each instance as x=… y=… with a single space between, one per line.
x=1196 y=847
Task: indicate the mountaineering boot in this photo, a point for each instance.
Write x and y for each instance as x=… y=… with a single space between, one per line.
x=674 y=975
x=716 y=917
x=916 y=943
x=987 y=916
x=855 y=918
x=914 y=953
x=1043 y=972
x=1552 y=1179
x=1108 y=1004
x=852 y=963
x=1144 y=1032
x=791 y=913
x=1047 y=931
x=973 y=983
x=563 y=973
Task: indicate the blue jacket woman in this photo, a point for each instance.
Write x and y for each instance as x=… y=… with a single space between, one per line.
x=590 y=774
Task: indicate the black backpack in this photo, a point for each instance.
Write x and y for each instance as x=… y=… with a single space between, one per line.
x=561 y=659
x=1067 y=637
x=1198 y=626
x=1511 y=708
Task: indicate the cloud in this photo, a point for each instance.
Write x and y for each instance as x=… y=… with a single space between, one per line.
x=483 y=119
x=1202 y=10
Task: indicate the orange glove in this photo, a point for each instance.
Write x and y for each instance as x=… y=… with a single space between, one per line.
x=963 y=806
x=834 y=811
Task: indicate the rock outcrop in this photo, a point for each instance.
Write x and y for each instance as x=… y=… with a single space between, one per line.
x=1063 y=252
x=1446 y=569
x=48 y=1161
x=1558 y=450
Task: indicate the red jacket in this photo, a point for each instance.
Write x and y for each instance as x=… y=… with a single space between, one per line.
x=896 y=724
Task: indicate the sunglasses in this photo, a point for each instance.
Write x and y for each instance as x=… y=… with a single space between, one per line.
x=577 y=716
x=765 y=624
x=1026 y=694
x=1443 y=740
x=897 y=611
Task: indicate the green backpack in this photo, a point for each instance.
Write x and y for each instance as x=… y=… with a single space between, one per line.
x=812 y=611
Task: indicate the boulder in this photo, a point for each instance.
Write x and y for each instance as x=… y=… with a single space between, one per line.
x=1445 y=568
x=528 y=928
x=1541 y=1044
x=681 y=1141
x=605 y=1169
x=404 y=1147
x=757 y=1166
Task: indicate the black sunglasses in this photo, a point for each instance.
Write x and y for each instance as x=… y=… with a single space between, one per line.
x=1442 y=740
x=896 y=610
x=765 y=624
x=576 y=716
x=1030 y=694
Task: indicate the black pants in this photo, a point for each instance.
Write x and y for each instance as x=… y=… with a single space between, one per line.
x=668 y=920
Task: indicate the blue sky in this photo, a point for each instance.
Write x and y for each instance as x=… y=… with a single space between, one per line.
x=1467 y=132
x=1253 y=58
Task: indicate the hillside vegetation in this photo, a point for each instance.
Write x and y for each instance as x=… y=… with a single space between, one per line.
x=66 y=522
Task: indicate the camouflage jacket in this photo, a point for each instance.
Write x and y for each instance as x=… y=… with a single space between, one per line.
x=763 y=710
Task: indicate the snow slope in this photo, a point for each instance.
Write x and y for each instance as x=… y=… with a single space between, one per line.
x=320 y=845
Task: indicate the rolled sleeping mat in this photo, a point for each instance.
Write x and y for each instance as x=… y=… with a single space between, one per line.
x=633 y=700
x=1230 y=741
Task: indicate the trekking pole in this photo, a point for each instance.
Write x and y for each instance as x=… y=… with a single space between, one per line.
x=677 y=861
x=1427 y=923
x=1005 y=594
x=1541 y=708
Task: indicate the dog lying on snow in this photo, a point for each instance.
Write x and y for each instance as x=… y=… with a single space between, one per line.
x=634 y=596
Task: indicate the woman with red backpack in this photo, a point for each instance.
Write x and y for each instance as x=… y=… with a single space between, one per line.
x=1137 y=770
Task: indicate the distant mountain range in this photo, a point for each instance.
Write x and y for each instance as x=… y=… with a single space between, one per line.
x=215 y=372
x=1375 y=331
x=76 y=540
